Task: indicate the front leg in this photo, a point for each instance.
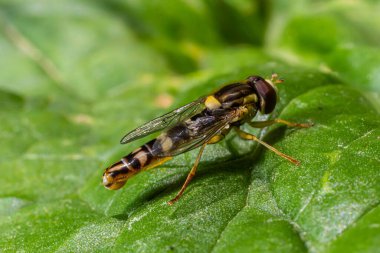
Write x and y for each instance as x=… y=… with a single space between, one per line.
x=262 y=124
x=248 y=136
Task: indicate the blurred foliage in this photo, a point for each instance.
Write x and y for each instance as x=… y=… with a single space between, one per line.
x=77 y=75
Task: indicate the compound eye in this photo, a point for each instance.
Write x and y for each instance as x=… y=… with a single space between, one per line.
x=252 y=80
x=267 y=96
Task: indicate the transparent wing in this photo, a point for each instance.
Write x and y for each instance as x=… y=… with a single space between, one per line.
x=203 y=135
x=165 y=121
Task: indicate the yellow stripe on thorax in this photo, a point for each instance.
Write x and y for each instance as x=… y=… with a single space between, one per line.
x=250 y=98
x=212 y=103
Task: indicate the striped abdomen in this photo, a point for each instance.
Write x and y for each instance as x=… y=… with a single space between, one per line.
x=172 y=142
x=150 y=155
x=142 y=158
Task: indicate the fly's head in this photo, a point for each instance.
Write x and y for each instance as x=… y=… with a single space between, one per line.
x=266 y=92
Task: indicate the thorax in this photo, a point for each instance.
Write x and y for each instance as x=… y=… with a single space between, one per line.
x=232 y=96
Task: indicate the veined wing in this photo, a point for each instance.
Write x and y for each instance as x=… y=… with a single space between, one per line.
x=204 y=134
x=165 y=121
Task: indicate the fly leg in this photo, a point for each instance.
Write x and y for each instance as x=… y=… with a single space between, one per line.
x=262 y=124
x=189 y=176
x=252 y=137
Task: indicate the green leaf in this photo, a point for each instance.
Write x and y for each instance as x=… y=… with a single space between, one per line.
x=76 y=76
x=358 y=66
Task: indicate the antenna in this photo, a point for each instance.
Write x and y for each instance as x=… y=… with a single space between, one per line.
x=275 y=79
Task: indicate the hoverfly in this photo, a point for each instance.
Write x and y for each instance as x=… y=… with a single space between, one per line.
x=204 y=121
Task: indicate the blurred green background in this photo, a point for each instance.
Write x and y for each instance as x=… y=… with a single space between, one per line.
x=75 y=76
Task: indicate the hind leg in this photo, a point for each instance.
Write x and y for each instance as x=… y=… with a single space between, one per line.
x=189 y=176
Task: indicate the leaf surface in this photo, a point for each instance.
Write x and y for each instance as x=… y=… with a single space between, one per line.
x=75 y=77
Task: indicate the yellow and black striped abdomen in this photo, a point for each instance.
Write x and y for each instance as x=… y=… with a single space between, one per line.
x=142 y=158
